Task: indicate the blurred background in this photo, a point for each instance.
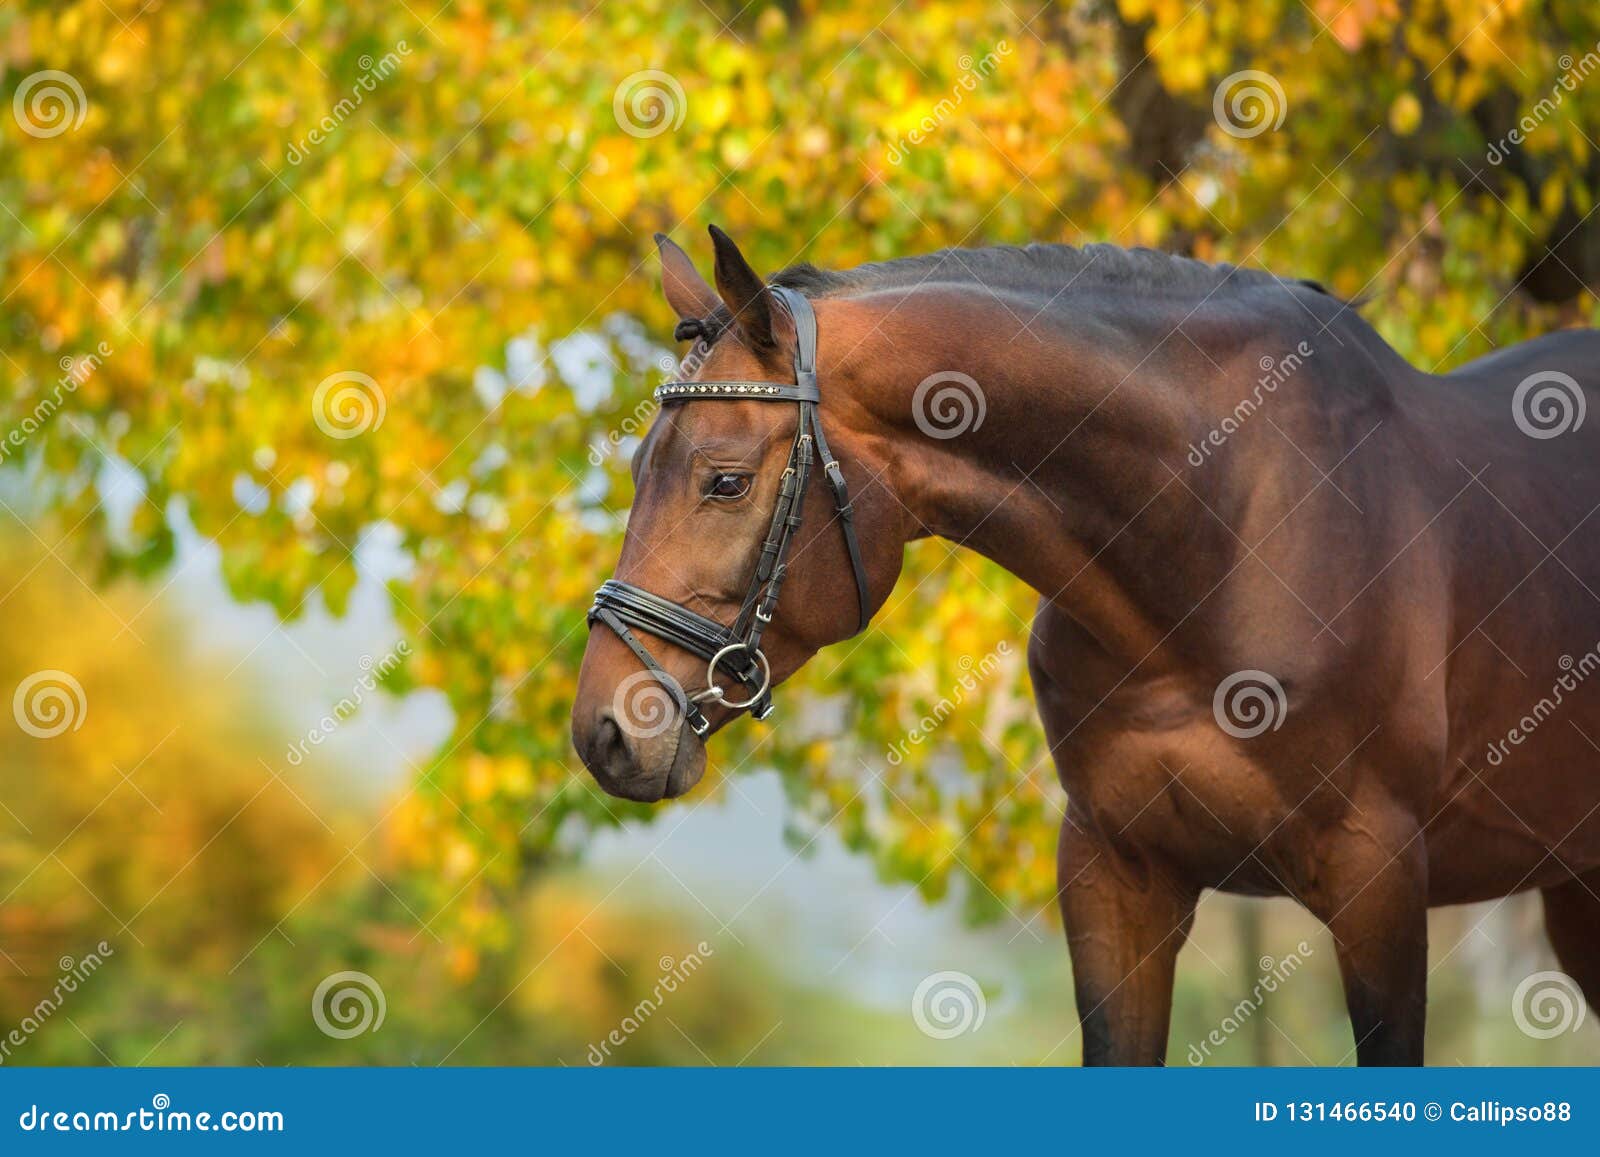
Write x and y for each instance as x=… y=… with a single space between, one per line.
x=326 y=334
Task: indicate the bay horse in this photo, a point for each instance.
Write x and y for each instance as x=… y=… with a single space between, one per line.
x=1312 y=622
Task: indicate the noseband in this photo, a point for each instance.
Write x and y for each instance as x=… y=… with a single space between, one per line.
x=736 y=651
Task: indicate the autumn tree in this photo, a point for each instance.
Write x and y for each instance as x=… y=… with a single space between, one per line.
x=303 y=270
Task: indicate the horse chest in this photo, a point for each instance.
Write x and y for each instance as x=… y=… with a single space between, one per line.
x=1197 y=801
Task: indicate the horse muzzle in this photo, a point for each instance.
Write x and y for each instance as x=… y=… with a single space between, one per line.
x=644 y=761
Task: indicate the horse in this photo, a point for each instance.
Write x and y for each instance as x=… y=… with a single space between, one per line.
x=1312 y=622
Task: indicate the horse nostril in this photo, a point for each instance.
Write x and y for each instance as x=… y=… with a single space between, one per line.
x=615 y=764
x=609 y=750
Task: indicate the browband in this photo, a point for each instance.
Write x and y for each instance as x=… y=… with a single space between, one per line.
x=739 y=391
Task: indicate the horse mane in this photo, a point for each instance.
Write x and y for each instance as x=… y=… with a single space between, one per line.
x=1037 y=268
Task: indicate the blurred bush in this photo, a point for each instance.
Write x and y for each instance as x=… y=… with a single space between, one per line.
x=193 y=896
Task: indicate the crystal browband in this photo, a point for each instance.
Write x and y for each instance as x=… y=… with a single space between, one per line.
x=754 y=391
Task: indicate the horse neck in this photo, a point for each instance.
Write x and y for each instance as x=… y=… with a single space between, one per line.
x=1070 y=480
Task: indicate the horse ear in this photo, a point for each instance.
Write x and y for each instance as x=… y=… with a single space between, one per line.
x=687 y=292
x=744 y=293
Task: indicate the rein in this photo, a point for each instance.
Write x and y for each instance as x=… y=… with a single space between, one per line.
x=736 y=651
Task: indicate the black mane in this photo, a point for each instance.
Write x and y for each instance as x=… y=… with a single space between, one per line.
x=1036 y=268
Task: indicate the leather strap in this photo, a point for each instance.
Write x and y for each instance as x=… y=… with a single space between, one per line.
x=675 y=624
x=805 y=370
x=805 y=338
x=663 y=617
x=847 y=519
x=691 y=710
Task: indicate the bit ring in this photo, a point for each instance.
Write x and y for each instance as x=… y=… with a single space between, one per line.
x=716 y=694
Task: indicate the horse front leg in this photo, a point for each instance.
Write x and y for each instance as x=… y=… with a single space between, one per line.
x=1371 y=891
x=1125 y=919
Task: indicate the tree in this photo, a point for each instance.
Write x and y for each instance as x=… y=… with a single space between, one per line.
x=310 y=269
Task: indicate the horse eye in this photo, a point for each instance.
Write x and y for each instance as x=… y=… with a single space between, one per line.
x=729 y=486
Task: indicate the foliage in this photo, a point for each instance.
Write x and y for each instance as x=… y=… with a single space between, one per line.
x=208 y=899
x=141 y=818
x=472 y=198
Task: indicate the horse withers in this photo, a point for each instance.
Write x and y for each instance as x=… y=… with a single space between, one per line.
x=1312 y=622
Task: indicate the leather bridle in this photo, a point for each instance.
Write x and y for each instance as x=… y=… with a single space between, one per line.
x=736 y=651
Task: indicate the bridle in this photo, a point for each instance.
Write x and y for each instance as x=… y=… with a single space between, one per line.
x=736 y=650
